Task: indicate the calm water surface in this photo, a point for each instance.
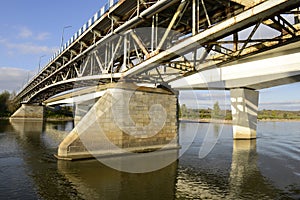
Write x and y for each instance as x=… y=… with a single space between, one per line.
x=266 y=168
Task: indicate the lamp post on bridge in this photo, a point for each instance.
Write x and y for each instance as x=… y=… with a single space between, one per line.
x=40 y=62
x=62 y=35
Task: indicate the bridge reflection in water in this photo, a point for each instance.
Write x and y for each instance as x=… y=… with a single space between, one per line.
x=230 y=171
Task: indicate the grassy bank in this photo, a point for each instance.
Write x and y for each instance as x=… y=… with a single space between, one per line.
x=216 y=113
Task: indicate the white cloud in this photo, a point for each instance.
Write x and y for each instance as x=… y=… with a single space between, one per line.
x=42 y=36
x=280 y=105
x=12 y=79
x=30 y=48
x=2 y=40
x=25 y=32
x=204 y=99
x=27 y=48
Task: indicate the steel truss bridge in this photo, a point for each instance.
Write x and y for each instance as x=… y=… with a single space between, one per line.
x=157 y=42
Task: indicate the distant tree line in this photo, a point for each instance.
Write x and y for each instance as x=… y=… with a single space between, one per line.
x=59 y=112
x=278 y=114
x=7 y=106
x=217 y=113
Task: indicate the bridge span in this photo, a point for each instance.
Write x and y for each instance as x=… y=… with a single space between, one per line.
x=125 y=65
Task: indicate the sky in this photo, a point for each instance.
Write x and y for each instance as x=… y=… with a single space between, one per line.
x=31 y=32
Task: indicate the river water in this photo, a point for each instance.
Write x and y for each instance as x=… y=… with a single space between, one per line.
x=212 y=167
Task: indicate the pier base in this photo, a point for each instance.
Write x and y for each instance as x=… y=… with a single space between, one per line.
x=244 y=107
x=126 y=119
x=32 y=112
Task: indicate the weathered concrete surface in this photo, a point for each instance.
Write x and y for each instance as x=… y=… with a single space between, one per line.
x=26 y=111
x=80 y=109
x=244 y=107
x=125 y=119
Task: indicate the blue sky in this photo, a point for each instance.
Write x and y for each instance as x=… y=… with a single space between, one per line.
x=33 y=28
x=285 y=97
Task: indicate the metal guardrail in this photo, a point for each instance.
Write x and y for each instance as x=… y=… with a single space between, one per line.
x=80 y=32
x=85 y=27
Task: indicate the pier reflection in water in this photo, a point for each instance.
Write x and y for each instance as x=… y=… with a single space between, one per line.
x=232 y=170
x=97 y=181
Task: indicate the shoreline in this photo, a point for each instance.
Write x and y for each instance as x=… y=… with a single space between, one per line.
x=59 y=119
x=45 y=119
x=205 y=121
x=220 y=121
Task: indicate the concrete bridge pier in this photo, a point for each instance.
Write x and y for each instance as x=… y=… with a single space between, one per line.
x=80 y=109
x=244 y=107
x=126 y=119
x=29 y=111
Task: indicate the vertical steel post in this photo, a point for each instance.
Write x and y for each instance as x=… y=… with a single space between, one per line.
x=138 y=8
x=195 y=17
x=297 y=17
x=106 y=57
x=125 y=51
x=156 y=30
x=112 y=63
x=152 y=33
x=235 y=39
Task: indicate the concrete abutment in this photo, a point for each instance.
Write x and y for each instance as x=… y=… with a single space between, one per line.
x=244 y=108
x=30 y=112
x=126 y=119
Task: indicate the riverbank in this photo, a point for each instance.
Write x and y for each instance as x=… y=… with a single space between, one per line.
x=220 y=121
x=56 y=119
x=217 y=121
x=50 y=119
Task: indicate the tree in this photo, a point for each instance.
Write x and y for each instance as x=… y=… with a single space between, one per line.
x=183 y=110
x=216 y=110
x=13 y=105
x=4 y=102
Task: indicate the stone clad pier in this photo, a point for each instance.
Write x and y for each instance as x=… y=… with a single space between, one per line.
x=126 y=119
x=30 y=112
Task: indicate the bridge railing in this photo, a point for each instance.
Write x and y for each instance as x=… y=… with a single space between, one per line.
x=85 y=27
x=80 y=32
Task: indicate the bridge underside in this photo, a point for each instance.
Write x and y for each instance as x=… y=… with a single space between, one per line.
x=271 y=68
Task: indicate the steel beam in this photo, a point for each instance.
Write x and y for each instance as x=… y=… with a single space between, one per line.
x=227 y=27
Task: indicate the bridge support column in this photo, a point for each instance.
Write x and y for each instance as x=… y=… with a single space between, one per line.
x=244 y=106
x=26 y=111
x=126 y=119
x=80 y=109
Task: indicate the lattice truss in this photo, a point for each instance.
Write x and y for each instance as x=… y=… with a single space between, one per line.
x=139 y=41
